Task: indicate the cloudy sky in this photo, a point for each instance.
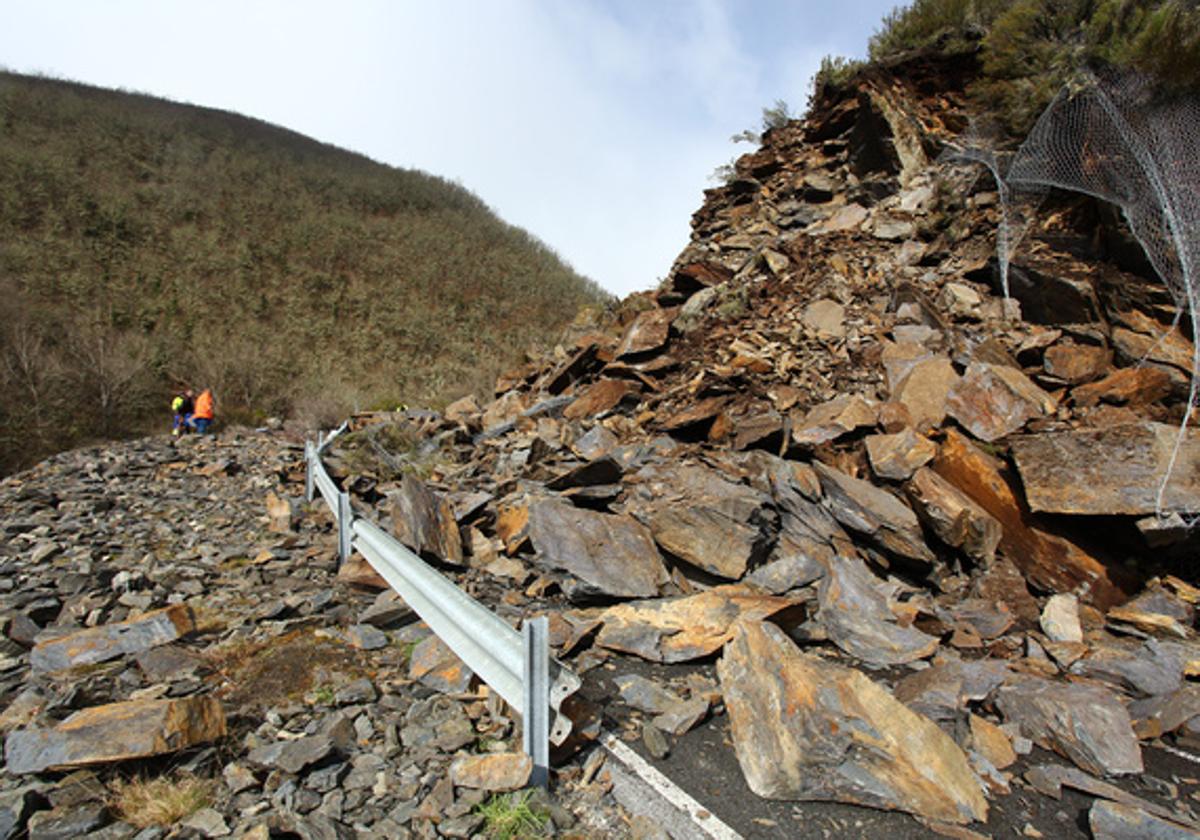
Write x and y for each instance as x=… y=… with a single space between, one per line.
x=595 y=125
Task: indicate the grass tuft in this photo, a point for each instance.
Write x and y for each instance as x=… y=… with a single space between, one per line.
x=510 y=816
x=161 y=802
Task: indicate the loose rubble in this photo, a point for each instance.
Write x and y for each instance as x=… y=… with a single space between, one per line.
x=888 y=534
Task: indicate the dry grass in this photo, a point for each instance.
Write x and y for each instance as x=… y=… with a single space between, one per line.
x=162 y=802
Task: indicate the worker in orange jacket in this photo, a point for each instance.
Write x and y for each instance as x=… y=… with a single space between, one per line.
x=202 y=414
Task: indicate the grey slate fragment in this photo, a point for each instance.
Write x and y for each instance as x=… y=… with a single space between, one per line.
x=15 y=807
x=854 y=611
x=611 y=554
x=786 y=573
x=1113 y=821
x=874 y=513
x=100 y=644
x=67 y=823
x=291 y=756
x=1151 y=669
x=1085 y=723
x=645 y=695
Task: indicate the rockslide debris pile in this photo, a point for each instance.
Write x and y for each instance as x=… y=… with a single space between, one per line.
x=826 y=439
x=908 y=520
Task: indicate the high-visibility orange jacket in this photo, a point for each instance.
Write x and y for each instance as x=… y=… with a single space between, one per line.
x=204 y=406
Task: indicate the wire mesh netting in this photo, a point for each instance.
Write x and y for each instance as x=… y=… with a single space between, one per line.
x=1113 y=139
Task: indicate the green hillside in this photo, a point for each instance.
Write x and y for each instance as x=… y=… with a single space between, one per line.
x=145 y=243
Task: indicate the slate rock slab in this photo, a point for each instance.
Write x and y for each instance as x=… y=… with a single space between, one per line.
x=703 y=517
x=954 y=516
x=425 y=522
x=807 y=729
x=1116 y=470
x=116 y=732
x=1114 y=821
x=100 y=644
x=854 y=612
x=1084 y=723
x=611 y=554
x=992 y=401
x=875 y=513
x=681 y=629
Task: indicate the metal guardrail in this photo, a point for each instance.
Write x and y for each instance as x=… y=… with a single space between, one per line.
x=516 y=665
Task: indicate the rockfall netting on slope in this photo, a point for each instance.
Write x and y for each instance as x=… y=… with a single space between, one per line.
x=1018 y=204
x=1113 y=139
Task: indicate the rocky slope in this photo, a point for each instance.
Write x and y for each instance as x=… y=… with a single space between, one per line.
x=824 y=507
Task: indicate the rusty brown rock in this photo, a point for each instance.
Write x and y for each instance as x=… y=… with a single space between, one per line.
x=512 y=525
x=610 y=554
x=435 y=665
x=1076 y=363
x=1084 y=723
x=1049 y=562
x=807 y=729
x=100 y=644
x=757 y=429
x=649 y=332
x=704 y=411
x=924 y=389
x=116 y=732
x=993 y=401
x=497 y=772
x=424 y=521
x=598 y=398
x=952 y=515
x=990 y=741
x=279 y=514
x=1116 y=470
x=1127 y=386
x=831 y=420
x=358 y=572
x=682 y=629
x=875 y=513
x=898 y=456
x=854 y=612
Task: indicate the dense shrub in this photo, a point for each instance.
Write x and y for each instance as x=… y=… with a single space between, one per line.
x=1030 y=48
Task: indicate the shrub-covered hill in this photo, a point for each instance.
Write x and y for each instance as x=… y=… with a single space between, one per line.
x=1027 y=49
x=145 y=243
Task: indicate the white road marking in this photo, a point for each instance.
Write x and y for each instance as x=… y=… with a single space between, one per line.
x=1184 y=754
x=706 y=822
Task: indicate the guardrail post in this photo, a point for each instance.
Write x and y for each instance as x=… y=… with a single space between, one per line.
x=310 y=483
x=535 y=717
x=345 y=523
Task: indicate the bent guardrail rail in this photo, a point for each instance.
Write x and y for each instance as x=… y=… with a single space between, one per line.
x=516 y=665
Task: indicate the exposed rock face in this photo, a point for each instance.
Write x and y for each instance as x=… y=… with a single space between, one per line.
x=807 y=729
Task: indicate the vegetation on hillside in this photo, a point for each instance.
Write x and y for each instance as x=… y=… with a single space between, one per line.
x=1029 y=48
x=145 y=244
